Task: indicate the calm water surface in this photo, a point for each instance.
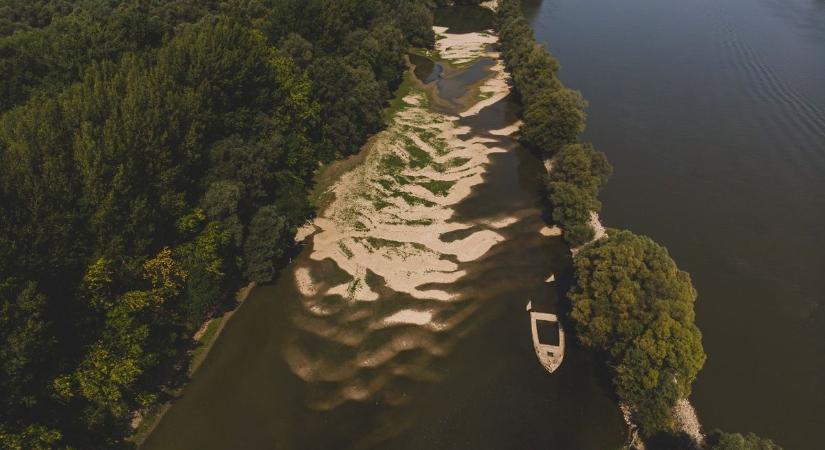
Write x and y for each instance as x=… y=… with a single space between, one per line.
x=713 y=113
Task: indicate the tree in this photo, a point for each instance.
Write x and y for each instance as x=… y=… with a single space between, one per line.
x=583 y=166
x=536 y=74
x=579 y=172
x=209 y=261
x=719 y=440
x=416 y=22
x=25 y=342
x=32 y=437
x=269 y=236
x=149 y=156
x=346 y=119
x=552 y=120
x=632 y=302
x=571 y=210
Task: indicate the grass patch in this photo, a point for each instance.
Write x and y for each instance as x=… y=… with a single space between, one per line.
x=431 y=138
x=353 y=287
x=377 y=243
x=419 y=222
x=397 y=102
x=385 y=183
x=451 y=164
x=438 y=187
x=345 y=250
x=380 y=203
x=457 y=162
x=418 y=157
x=412 y=200
x=391 y=164
x=402 y=179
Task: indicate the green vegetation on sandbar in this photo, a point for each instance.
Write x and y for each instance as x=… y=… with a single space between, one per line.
x=438 y=187
x=392 y=164
x=419 y=158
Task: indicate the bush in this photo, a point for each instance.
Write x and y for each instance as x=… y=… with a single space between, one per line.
x=719 y=440
x=553 y=119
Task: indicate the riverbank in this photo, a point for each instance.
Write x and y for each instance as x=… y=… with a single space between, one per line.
x=144 y=422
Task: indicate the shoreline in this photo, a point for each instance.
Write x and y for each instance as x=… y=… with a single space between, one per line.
x=144 y=422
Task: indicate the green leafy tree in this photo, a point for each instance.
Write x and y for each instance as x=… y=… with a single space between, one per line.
x=719 y=440
x=553 y=119
x=579 y=172
x=269 y=235
x=32 y=437
x=632 y=302
x=25 y=343
x=416 y=21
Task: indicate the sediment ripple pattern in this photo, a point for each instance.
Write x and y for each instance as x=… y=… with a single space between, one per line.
x=377 y=310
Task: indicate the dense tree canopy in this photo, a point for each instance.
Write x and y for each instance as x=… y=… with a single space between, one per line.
x=579 y=173
x=632 y=302
x=553 y=119
x=718 y=440
x=154 y=156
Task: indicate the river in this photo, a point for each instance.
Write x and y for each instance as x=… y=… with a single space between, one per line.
x=713 y=114
x=390 y=364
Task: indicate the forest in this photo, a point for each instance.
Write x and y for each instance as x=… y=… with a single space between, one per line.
x=155 y=156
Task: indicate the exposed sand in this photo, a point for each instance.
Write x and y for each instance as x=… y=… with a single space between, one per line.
x=507 y=131
x=634 y=441
x=496 y=88
x=409 y=316
x=551 y=231
x=462 y=48
x=306 y=230
x=387 y=221
x=685 y=420
x=383 y=231
x=388 y=218
x=491 y=5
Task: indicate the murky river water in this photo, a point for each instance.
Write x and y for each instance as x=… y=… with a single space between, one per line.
x=477 y=385
x=713 y=113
